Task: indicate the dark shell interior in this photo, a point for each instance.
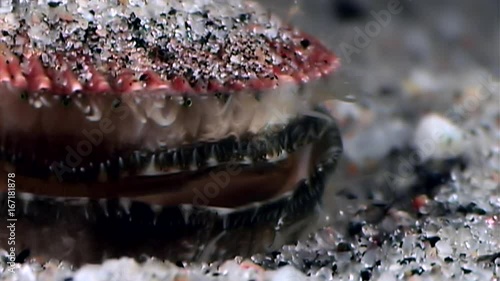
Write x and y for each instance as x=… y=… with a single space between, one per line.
x=95 y=229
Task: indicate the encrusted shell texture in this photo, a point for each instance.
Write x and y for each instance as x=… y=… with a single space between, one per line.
x=176 y=47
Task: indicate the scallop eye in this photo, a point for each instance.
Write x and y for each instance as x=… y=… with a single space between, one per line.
x=116 y=103
x=223 y=98
x=24 y=96
x=187 y=102
x=66 y=101
x=305 y=43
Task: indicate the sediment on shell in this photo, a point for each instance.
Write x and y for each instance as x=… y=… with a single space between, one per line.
x=183 y=47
